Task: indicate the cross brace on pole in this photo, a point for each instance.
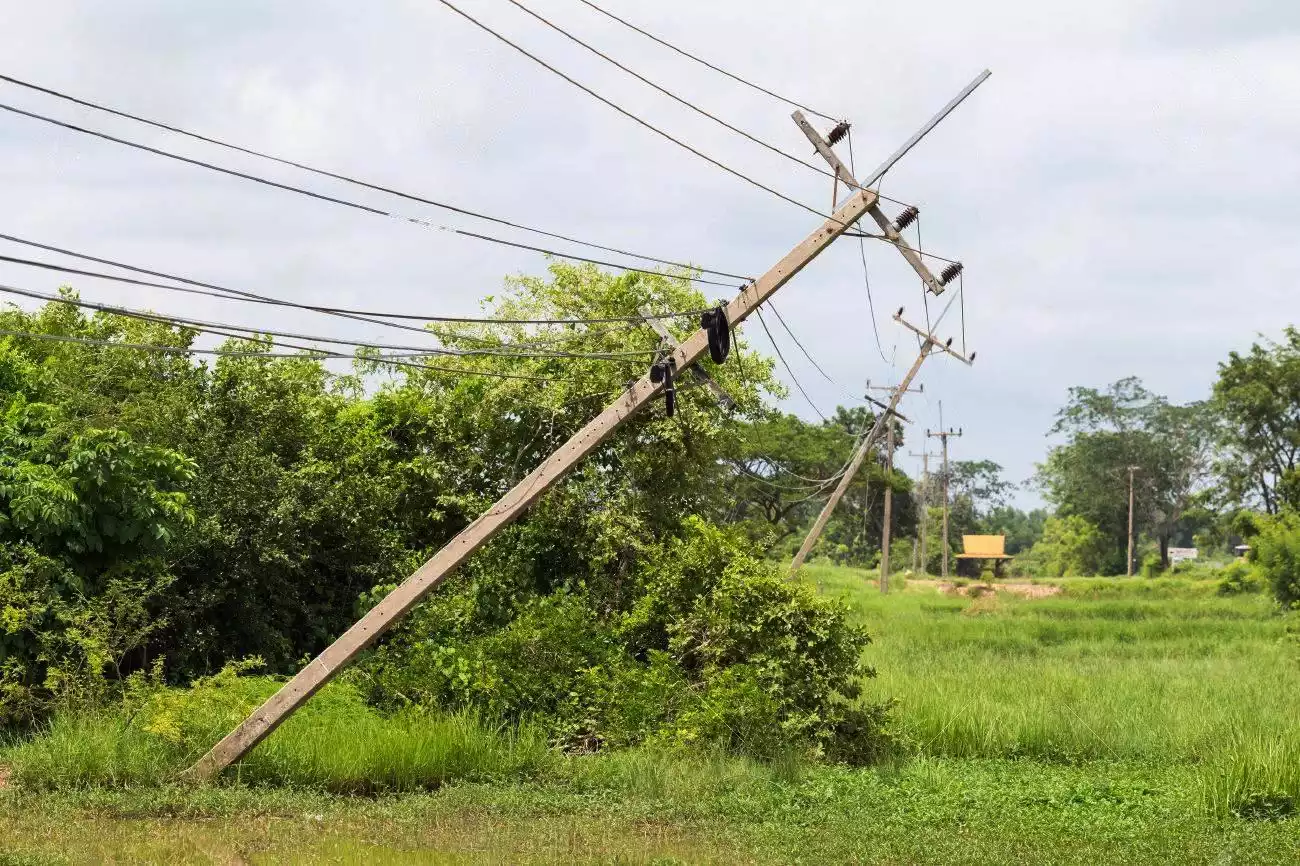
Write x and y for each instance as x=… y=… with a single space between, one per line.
x=511 y=506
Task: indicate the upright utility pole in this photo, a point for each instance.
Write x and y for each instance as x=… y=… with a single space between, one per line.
x=925 y=502
x=943 y=436
x=1131 y=470
x=512 y=505
x=889 y=493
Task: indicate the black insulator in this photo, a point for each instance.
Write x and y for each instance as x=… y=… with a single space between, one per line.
x=972 y=357
x=837 y=134
x=899 y=313
x=948 y=345
x=715 y=324
x=907 y=217
x=950 y=273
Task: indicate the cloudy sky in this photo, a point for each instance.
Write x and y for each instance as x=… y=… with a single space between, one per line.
x=1122 y=191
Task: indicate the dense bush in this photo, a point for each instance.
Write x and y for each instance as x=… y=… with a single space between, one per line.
x=696 y=641
x=1070 y=547
x=1277 y=554
x=1239 y=577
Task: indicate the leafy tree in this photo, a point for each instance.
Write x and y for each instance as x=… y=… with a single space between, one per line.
x=1110 y=430
x=1070 y=547
x=1257 y=395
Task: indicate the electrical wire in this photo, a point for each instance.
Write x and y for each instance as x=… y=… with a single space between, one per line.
x=683 y=101
x=347 y=312
x=784 y=363
x=704 y=62
x=623 y=111
x=240 y=332
x=149 y=347
x=810 y=358
x=866 y=273
x=332 y=199
x=353 y=180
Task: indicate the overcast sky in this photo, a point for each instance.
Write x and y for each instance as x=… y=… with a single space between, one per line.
x=1122 y=191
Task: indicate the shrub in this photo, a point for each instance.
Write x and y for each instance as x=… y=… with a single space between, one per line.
x=1277 y=554
x=1238 y=578
x=703 y=643
x=1070 y=547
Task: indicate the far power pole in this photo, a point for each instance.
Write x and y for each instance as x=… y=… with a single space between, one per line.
x=943 y=436
x=1131 y=470
x=889 y=490
x=517 y=500
x=925 y=501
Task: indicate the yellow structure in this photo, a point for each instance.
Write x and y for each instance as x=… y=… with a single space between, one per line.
x=976 y=548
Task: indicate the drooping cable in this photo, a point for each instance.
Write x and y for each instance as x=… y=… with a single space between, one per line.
x=784 y=363
x=866 y=273
x=241 y=331
x=704 y=62
x=671 y=95
x=329 y=198
x=623 y=111
x=353 y=180
x=346 y=312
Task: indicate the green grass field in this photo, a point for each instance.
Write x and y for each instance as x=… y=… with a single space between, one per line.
x=1124 y=721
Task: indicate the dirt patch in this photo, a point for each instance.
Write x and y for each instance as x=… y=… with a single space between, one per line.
x=975 y=590
x=5 y=773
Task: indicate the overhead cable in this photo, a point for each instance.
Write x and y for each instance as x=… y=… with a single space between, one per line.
x=240 y=331
x=704 y=62
x=671 y=95
x=337 y=311
x=784 y=363
x=329 y=198
x=623 y=111
x=353 y=180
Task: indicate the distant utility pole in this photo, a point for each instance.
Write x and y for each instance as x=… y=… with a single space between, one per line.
x=1131 y=470
x=943 y=436
x=925 y=502
x=889 y=487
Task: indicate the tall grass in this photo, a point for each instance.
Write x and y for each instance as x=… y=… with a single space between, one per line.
x=1140 y=670
x=358 y=751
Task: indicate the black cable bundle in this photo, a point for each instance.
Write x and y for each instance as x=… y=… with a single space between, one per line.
x=663 y=373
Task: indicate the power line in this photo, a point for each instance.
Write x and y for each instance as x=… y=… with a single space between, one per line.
x=623 y=111
x=785 y=364
x=329 y=198
x=866 y=273
x=353 y=180
x=704 y=62
x=781 y=319
x=346 y=312
x=240 y=332
x=671 y=95
x=149 y=347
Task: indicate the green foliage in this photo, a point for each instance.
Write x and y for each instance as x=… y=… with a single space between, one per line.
x=1070 y=547
x=697 y=642
x=1276 y=553
x=1240 y=577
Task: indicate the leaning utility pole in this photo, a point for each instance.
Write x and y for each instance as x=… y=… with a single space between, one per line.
x=518 y=499
x=889 y=492
x=1131 y=470
x=925 y=501
x=930 y=345
x=512 y=505
x=942 y=436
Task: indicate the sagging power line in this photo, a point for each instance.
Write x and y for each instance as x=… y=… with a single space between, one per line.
x=319 y=196
x=420 y=199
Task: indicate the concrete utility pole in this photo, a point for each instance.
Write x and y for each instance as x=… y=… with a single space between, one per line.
x=518 y=499
x=889 y=492
x=512 y=505
x=925 y=503
x=929 y=346
x=1131 y=470
x=943 y=436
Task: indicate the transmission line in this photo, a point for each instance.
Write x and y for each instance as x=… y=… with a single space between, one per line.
x=240 y=332
x=352 y=180
x=329 y=198
x=704 y=62
x=623 y=111
x=251 y=297
x=671 y=95
x=786 y=364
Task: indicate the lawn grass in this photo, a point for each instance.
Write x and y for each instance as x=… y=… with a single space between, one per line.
x=1144 y=721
